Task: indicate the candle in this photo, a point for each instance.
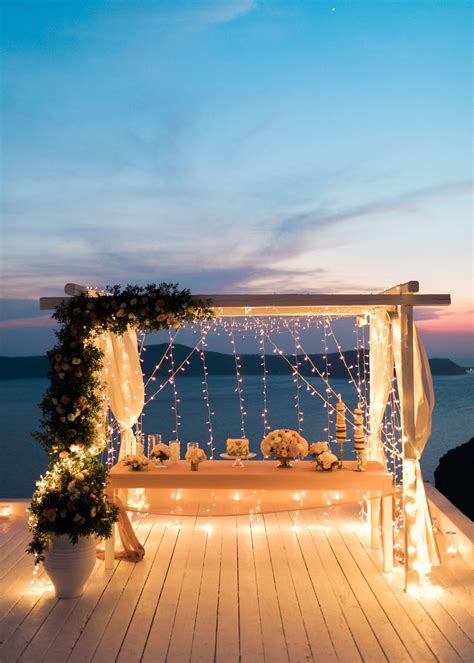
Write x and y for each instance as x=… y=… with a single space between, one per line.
x=5 y=511
x=175 y=451
x=451 y=543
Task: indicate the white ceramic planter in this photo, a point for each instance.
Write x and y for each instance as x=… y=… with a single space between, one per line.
x=69 y=566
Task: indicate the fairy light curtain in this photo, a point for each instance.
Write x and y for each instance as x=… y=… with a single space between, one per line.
x=124 y=389
x=123 y=383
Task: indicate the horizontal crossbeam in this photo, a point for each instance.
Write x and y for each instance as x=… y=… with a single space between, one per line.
x=296 y=304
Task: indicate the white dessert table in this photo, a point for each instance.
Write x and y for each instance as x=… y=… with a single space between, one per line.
x=235 y=490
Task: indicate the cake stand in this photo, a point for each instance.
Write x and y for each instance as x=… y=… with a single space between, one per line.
x=237 y=459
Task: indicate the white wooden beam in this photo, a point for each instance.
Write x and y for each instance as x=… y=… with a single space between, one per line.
x=295 y=304
x=403 y=288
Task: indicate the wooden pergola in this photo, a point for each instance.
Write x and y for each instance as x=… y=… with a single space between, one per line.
x=399 y=302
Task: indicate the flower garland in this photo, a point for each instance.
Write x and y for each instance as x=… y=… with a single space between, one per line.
x=72 y=407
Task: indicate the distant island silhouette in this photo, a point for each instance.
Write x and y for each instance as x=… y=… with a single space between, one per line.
x=218 y=363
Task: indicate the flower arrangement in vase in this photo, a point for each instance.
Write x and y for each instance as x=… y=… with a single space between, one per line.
x=317 y=448
x=327 y=461
x=285 y=444
x=69 y=511
x=195 y=455
x=70 y=500
x=135 y=462
x=160 y=452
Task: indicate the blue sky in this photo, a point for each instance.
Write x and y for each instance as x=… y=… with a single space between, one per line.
x=236 y=146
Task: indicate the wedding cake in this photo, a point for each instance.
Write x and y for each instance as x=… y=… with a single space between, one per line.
x=237 y=446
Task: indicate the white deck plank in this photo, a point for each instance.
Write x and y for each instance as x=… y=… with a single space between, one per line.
x=116 y=629
x=9 y=531
x=136 y=635
x=53 y=624
x=249 y=618
x=16 y=584
x=400 y=621
x=26 y=631
x=13 y=555
x=455 y=635
x=296 y=636
x=61 y=646
x=383 y=629
x=361 y=630
x=90 y=637
x=184 y=623
x=317 y=630
x=455 y=577
x=227 y=635
x=433 y=636
x=204 y=638
x=274 y=644
x=160 y=630
x=25 y=596
x=322 y=586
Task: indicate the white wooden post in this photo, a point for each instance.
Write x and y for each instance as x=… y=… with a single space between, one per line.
x=408 y=438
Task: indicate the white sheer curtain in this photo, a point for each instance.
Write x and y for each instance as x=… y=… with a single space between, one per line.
x=381 y=374
x=123 y=380
x=424 y=400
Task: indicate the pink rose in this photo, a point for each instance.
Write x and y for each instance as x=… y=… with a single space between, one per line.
x=50 y=514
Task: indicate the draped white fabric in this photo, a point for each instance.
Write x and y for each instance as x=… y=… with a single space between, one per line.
x=123 y=381
x=424 y=401
x=381 y=374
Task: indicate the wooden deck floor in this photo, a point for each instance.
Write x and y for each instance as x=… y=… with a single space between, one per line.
x=231 y=591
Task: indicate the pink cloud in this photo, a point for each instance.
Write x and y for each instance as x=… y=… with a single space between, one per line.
x=38 y=322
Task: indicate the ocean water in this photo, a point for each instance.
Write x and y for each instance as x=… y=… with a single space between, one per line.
x=23 y=459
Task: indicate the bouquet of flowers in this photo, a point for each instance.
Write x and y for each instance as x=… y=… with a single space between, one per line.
x=327 y=460
x=135 y=462
x=284 y=443
x=317 y=448
x=160 y=452
x=195 y=455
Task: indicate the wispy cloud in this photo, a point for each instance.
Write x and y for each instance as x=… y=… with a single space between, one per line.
x=159 y=17
x=221 y=11
x=300 y=226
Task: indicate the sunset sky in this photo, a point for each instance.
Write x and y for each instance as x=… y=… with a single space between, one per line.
x=237 y=146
